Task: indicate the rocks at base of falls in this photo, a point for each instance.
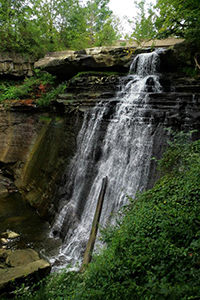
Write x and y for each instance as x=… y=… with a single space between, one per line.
x=3 y=190
x=7 y=186
x=9 y=239
x=20 y=266
x=9 y=235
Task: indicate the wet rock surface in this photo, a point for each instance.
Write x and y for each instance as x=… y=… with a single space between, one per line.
x=20 y=265
x=34 y=146
x=87 y=89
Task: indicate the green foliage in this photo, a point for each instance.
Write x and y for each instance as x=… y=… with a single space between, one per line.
x=41 y=87
x=179 y=18
x=168 y=18
x=191 y=72
x=143 y=27
x=97 y=73
x=12 y=90
x=108 y=34
x=175 y=159
x=51 y=95
x=39 y=26
x=154 y=250
x=102 y=27
x=123 y=44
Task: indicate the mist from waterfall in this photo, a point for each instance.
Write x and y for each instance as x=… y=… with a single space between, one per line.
x=120 y=149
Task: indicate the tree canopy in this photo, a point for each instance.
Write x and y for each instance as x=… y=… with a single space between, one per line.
x=38 y=26
x=168 y=18
x=143 y=25
x=179 y=18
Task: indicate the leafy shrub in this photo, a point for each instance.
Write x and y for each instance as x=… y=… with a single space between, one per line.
x=51 y=95
x=41 y=86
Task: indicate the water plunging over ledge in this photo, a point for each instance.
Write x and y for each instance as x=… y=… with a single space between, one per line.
x=122 y=153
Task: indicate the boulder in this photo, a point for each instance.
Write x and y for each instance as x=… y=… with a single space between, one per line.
x=20 y=265
x=35 y=270
x=21 y=257
x=10 y=235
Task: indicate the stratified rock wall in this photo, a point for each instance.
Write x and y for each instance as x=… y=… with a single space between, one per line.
x=67 y=64
x=17 y=65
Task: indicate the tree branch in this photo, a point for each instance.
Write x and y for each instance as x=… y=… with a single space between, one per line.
x=196 y=62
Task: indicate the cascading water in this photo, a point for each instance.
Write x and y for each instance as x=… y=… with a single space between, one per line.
x=122 y=153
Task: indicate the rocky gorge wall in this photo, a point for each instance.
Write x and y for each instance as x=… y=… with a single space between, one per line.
x=34 y=145
x=16 y=65
x=37 y=145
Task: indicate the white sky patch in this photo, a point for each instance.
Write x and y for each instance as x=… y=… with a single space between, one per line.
x=122 y=8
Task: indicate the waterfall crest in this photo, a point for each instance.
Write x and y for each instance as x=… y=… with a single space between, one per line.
x=120 y=149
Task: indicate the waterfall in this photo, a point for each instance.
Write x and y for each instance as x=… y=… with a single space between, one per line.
x=119 y=148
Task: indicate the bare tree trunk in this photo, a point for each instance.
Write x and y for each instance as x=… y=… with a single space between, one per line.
x=196 y=61
x=90 y=246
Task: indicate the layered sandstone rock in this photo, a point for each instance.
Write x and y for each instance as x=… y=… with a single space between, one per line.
x=16 y=65
x=66 y=64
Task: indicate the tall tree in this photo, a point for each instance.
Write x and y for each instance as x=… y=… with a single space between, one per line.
x=101 y=23
x=45 y=14
x=13 y=15
x=143 y=27
x=72 y=24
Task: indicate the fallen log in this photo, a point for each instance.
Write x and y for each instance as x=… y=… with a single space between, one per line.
x=90 y=245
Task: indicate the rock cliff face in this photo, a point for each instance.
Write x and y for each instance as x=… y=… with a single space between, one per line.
x=15 y=65
x=66 y=64
x=36 y=145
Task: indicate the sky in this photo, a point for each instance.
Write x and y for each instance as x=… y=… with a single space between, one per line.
x=123 y=8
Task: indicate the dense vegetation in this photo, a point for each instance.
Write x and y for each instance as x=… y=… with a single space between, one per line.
x=38 y=26
x=154 y=250
x=179 y=18
x=42 y=87
x=168 y=18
